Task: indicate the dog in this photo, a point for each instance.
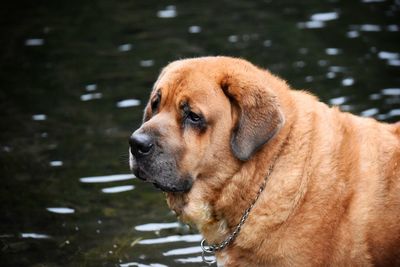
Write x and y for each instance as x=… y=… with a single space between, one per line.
x=279 y=176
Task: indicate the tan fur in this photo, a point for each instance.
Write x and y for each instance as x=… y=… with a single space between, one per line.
x=333 y=198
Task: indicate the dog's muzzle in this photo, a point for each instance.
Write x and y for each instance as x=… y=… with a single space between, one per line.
x=151 y=163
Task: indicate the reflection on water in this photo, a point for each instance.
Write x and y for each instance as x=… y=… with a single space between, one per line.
x=168 y=12
x=156 y=226
x=91 y=96
x=107 y=178
x=75 y=78
x=117 y=189
x=61 y=210
x=171 y=238
x=34 y=42
x=128 y=103
x=142 y=265
x=34 y=236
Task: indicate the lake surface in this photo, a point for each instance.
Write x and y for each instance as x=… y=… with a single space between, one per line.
x=75 y=76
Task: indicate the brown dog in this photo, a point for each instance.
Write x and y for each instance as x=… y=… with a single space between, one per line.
x=216 y=128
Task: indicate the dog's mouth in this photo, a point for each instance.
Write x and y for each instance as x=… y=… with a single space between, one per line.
x=167 y=182
x=139 y=173
x=181 y=187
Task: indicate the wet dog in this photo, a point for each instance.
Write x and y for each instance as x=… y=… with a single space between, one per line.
x=308 y=185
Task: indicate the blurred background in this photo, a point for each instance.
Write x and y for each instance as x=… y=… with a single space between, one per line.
x=75 y=76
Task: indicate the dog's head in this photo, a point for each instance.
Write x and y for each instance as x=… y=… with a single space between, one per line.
x=204 y=115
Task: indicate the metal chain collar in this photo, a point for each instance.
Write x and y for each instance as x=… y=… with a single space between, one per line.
x=211 y=249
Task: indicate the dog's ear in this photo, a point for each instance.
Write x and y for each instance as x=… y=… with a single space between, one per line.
x=260 y=117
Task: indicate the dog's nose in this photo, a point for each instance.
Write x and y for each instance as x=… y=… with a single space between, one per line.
x=141 y=144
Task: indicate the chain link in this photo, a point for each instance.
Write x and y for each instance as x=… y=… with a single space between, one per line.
x=211 y=249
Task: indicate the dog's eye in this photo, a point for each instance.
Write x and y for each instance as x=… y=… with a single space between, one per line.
x=193 y=117
x=155 y=104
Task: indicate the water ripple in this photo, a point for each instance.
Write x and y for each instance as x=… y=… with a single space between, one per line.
x=391 y=91
x=338 y=100
x=311 y=25
x=129 y=264
x=61 y=210
x=39 y=117
x=170 y=239
x=91 y=87
x=56 y=163
x=35 y=236
x=369 y=112
x=197 y=259
x=34 y=42
x=168 y=12
x=183 y=251
x=117 y=189
x=327 y=16
x=124 y=47
x=156 y=226
x=128 y=103
x=87 y=97
x=107 y=178
x=194 y=29
x=370 y=28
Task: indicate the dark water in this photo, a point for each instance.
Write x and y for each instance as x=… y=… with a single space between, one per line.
x=66 y=67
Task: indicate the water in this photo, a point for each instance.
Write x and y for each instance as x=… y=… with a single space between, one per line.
x=75 y=76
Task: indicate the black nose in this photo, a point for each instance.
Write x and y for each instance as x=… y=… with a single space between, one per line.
x=141 y=144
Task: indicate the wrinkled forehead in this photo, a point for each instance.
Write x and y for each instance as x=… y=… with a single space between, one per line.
x=179 y=80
